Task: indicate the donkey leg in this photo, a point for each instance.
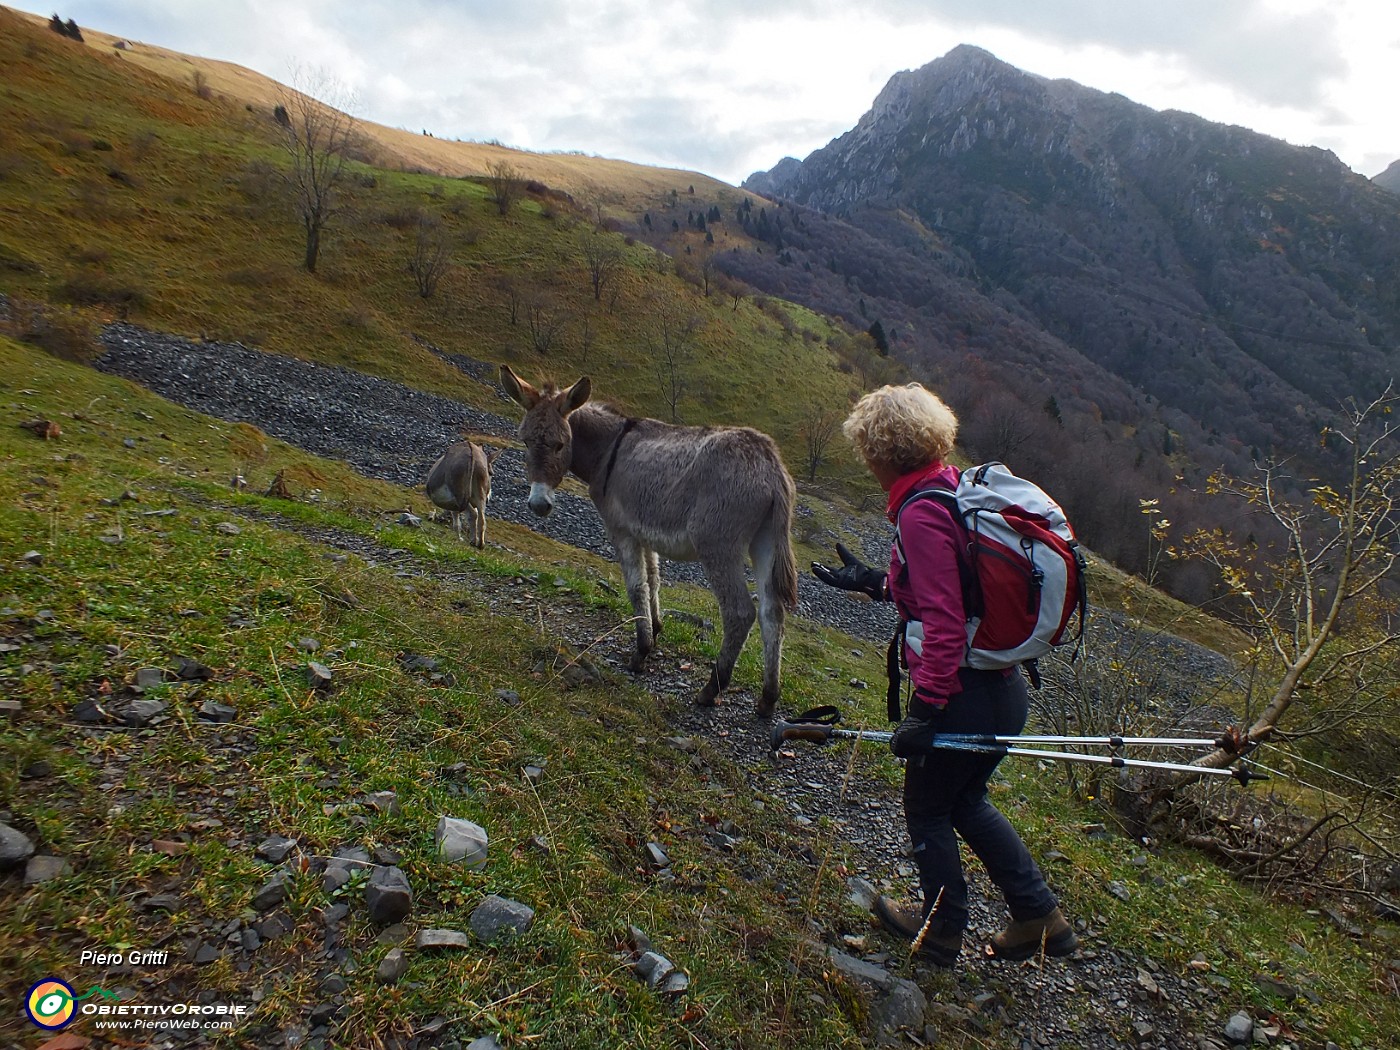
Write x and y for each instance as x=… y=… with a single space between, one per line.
x=737 y=616
x=654 y=591
x=771 y=616
x=479 y=527
x=632 y=559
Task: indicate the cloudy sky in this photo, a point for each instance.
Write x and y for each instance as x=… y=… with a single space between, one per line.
x=728 y=87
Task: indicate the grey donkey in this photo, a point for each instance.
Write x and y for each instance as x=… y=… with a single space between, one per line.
x=460 y=481
x=706 y=494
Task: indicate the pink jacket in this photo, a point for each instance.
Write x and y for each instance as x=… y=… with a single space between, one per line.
x=930 y=591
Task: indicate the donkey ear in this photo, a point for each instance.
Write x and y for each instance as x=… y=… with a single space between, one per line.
x=577 y=394
x=492 y=451
x=517 y=388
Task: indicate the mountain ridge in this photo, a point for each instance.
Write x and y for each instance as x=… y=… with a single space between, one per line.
x=1241 y=287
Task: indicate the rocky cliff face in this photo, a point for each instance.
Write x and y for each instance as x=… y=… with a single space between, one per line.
x=1242 y=282
x=1386 y=180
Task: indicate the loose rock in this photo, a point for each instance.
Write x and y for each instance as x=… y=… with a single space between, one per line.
x=462 y=841
x=497 y=918
x=388 y=896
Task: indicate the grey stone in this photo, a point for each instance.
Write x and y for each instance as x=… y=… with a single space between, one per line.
x=212 y=711
x=462 y=841
x=1275 y=987
x=228 y=528
x=1240 y=1029
x=250 y=940
x=150 y=678
x=393 y=966
x=140 y=712
x=484 y=1042
x=205 y=954
x=429 y=939
x=413 y=521
x=90 y=712
x=190 y=670
x=318 y=674
x=15 y=847
x=675 y=984
x=861 y=893
x=273 y=892
x=274 y=926
x=275 y=848
x=653 y=967
x=335 y=876
x=388 y=896
x=354 y=857
x=333 y=984
x=43 y=868
x=499 y=918
x=902 y=1006
x=657 y=856
x=861 y=971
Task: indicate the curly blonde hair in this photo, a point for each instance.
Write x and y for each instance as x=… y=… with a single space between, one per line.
x=902 y=428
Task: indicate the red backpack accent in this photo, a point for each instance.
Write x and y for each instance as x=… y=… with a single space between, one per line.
x=1023 y=571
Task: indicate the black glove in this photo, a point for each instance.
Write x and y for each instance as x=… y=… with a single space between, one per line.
x=853 y=575
x=914 y=736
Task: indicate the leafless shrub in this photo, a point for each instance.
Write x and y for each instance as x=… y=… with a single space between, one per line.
x=430 y=258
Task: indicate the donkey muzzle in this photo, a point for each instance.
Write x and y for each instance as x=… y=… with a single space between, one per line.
x=541 y=499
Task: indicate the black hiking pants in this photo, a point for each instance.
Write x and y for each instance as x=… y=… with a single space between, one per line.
x=945 y=797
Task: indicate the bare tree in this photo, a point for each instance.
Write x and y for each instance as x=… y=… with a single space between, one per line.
x=602 y=257
x=505 y=185
x=817 y=430
x=545 y=319
x=672 y=341
x=317 y=137
x=431 y=256
x=1323 y=614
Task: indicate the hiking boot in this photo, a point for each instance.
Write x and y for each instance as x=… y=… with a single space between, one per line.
x=1025 y=938
x=941 y=943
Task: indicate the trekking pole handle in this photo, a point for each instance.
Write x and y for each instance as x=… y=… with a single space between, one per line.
x=816 y=732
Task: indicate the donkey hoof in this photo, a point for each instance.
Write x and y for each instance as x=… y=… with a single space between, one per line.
x=638 y=663
x=709 y=696
x=764 y=711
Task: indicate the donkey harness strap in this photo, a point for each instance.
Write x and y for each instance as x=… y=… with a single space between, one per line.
x=627 y=424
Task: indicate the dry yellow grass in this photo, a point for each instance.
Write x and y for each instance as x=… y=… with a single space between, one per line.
x=591 y=180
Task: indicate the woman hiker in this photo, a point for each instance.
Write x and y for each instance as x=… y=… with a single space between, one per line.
x=904 y=434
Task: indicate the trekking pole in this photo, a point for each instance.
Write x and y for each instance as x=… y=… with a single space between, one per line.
x=822 y=731
x=1229 y=741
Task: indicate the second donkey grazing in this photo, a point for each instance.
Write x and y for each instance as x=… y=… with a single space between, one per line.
x=706 y=494
x=460 y=481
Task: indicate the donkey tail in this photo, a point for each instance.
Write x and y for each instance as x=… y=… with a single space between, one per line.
x=784 y=563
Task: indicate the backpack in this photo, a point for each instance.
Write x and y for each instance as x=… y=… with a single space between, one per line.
x=1023 y=573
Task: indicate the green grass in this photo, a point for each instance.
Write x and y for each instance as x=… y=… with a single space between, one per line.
x=127 y=195
x=124 y=194
x=300 y=762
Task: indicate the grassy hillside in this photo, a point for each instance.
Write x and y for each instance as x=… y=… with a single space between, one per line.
x=130 y=195
x=142 y=556
x=125 y=193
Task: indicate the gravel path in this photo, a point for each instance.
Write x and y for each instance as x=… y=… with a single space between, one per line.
x=1102 y=998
